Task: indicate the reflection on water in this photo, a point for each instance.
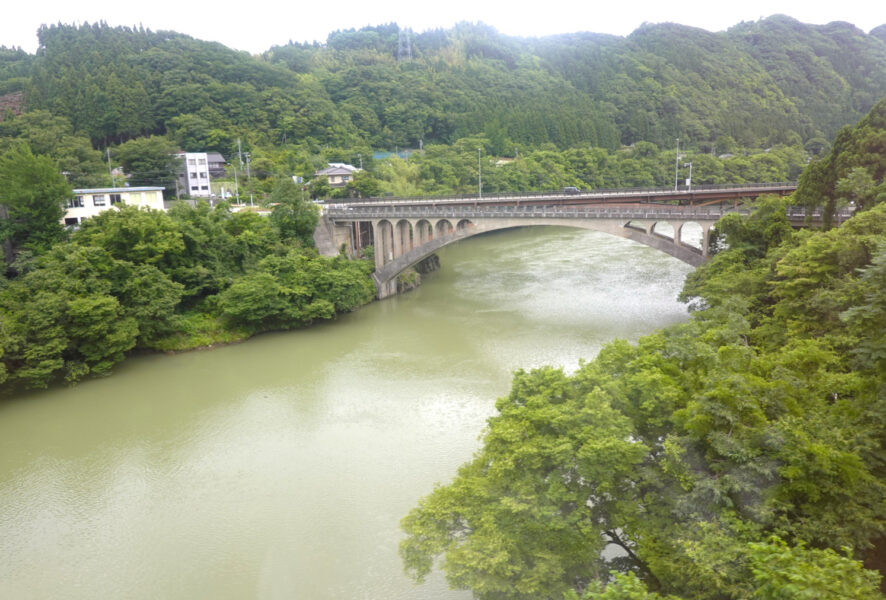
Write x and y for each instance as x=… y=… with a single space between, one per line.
x=280 y=467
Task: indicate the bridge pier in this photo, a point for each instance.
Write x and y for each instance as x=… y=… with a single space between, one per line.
x=397 y=246
x=385 y=289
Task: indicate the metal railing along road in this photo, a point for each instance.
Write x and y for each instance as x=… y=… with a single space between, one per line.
x=624 y=211
x=596 y=194
x=635 y=211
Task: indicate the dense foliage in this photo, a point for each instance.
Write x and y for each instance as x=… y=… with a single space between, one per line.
x=739 y=455
x=853 y=173
x=142 y=279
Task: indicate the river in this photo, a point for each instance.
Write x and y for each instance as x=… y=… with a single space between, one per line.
x=279 y=468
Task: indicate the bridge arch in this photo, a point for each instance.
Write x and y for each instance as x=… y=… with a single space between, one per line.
x=424 y=232
x=664 y=229
x=641 y=231
x=693 y=234
x=384 y=242
x=443 y=228
x=644 y=227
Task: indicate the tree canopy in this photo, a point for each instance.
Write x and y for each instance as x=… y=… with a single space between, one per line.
x=738 y=455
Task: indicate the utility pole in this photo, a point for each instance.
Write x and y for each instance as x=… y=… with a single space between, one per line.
x=249 y=179
x=479 y=177
x=689 y=181
x=110 y=172
x=240 y=153
x=236 y=186
x=676 y=164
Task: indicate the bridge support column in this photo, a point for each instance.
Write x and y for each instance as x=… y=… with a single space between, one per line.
x=386 y=289
x=705 y=239
x=397 y=250
x=379 y=246
x=383 y=235
x=678 y=234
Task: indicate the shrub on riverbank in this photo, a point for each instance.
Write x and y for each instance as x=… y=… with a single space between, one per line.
x=133 y=279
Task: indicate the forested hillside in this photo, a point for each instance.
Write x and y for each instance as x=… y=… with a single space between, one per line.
x=763 y=83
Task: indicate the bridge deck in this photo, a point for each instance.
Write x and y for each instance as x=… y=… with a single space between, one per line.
x=362 y=212
x=696 y=195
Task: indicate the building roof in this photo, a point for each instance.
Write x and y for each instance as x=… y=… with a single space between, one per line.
x=338 y=169
x=332 y=171
x=118 y=189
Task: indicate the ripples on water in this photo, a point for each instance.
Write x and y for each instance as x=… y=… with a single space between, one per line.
x=280 y=467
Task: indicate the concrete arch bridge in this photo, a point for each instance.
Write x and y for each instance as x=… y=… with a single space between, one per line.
x=404 y=231
x=402 y=236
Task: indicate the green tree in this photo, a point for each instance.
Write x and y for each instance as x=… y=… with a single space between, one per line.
x=32 y=192
x=64 y=320
x=787 y=573
x=857 y=189
x=364 y=185
x=293 y=216
x=54 y=136
x=320 y=188
x=149 y=161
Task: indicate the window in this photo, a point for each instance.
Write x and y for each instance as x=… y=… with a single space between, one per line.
x=71 y=221
x=194 y=188
x=203 y=175
x=115 y=199
x=98 y=200
x=204 y=187
x=192 y=162
x=75 y=202
x=193 y=175
x=201 y=161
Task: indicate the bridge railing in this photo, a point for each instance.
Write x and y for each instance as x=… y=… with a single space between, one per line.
x=629 y=211
x=561 y=194
x=644 y=211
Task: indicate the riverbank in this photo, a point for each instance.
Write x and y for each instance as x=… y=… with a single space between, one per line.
x=199 y=330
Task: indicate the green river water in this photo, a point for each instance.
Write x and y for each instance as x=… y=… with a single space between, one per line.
x=279 y=468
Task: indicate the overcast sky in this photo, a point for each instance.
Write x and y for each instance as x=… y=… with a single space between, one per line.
x=257 y=25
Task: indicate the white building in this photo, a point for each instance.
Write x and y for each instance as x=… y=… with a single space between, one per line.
x=90 y=202
x=194 y=181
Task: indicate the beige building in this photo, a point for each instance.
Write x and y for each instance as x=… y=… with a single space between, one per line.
x=338 y=174
x=90 y=202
